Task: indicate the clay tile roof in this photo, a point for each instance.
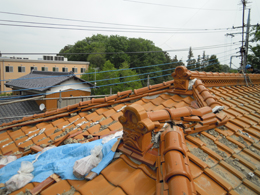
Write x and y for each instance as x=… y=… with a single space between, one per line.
x=198 y=140
x=16 y=111
x=42 y=80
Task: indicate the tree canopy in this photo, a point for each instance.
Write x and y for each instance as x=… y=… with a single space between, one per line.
x=206 y=63
x=121 y=58
x=119 y=52
x=254 y=55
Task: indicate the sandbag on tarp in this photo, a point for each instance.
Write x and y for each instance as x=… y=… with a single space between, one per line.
x=59 y=160
x=23 y=177
x=7 y=159
x=84 y=165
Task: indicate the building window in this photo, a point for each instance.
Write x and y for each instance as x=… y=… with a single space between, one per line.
x=21 y=69
x=8 y=69
x=59 y=58
x=83 y=70
x=64 y=69
x=33 y=68
x=55 y=69
x=44 y=68
x=47 y=57
x=75 y=70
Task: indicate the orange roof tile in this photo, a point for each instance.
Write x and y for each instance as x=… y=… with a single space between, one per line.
x=109 y=113
x=23 y=189
x=94 y=186
x=212 y=160
x=57 y=188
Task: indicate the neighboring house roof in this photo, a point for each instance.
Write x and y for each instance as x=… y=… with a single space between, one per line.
x=18 y=110
x=201 y=150
x=43 y=80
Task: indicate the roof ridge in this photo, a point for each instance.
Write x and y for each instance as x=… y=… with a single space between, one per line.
x=51 y=73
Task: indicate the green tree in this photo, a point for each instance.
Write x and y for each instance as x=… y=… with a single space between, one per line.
x=191 y=63
x=254 y=55
x=204 y=61
x=108 y=79
x=174 y=63
x=198 y=63
x=114 y=43
x=213 y=65
x=128 y=75
x=89 y=75
x=99 y=57
x=118 y=44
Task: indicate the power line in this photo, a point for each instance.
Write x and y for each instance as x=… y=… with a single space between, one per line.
x=132 y=31
x=167 y=29
x=182 y=7
x=114 y=83
x=110 y=78
x=132 y=81
x=74 y=20
x=89 y=73
x=136 y=75
x=128 y=52
x=95 y=22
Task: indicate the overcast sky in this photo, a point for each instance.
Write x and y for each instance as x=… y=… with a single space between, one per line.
x=170 y=14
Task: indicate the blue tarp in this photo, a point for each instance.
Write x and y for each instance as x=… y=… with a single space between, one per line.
x=60 y=160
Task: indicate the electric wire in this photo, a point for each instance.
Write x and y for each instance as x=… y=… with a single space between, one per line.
x=166 y=29
x=125 y=52
x=79 y=97
x=89 y=73
x=132 y=31
x=182 y=7
x=102 y=80
x=112 y=83
x=85 y=21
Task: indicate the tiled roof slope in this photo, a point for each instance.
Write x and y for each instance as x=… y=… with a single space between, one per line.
x=42 y=80
x=199 y=151
x=16 y=111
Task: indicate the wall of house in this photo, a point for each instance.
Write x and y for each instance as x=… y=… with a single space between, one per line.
x=70 y=84
x=15 y=63
x=53 y=104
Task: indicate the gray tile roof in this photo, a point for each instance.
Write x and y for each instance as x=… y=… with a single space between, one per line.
x=42 y=80
x=18 y=110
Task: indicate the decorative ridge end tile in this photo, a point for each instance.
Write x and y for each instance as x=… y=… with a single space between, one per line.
x=181 y=80
x=137 y=129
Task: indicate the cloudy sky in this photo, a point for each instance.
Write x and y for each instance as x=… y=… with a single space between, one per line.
x=170 y=24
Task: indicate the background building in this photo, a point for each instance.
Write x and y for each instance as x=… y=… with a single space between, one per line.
x=54 y=85
x=13 y=68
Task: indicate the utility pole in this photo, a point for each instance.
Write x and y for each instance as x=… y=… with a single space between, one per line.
x=95 y=84
x=148 y=80
x=95 y=76
x=247 y=38
x=242 y=49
